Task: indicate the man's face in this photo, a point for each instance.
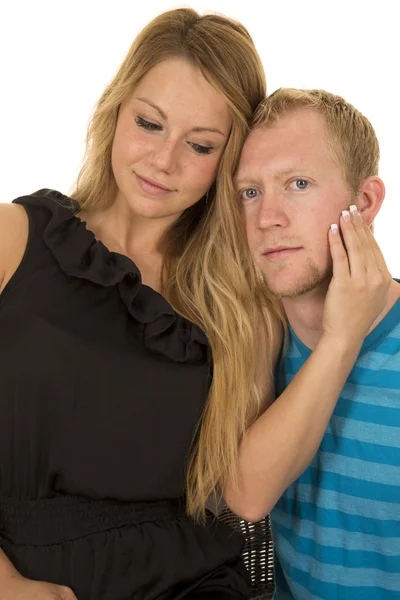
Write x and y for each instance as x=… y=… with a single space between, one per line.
x=292 y=189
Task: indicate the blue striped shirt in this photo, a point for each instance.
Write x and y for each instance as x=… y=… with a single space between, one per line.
x=337 y=528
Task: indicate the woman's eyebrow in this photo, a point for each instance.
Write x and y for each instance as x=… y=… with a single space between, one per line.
x=164 y=116
x=157 y=108
x=212 y=129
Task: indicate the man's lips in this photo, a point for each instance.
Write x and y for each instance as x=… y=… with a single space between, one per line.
x=279 y=252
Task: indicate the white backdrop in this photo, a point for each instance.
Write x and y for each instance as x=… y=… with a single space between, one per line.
x=56 y=58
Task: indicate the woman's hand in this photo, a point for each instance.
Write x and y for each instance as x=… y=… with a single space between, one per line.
x=358 y=291
x=16 y=587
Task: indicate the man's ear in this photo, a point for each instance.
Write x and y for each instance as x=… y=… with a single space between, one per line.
x=370 y=198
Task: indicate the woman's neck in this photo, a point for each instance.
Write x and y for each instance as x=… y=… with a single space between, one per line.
x=135 y=237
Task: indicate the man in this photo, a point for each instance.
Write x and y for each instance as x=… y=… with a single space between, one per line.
x=336 y=529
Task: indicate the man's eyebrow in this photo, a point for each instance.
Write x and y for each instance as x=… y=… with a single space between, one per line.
x=164 y=116
x=295 y=170
x=241 y=180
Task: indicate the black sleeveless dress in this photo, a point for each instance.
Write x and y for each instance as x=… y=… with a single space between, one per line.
x=102 y=385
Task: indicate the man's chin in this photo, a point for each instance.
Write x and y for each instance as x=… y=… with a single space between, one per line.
x=298 y=287
x=295 y=292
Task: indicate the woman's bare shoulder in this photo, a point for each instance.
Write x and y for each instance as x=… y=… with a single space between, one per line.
x=14 y=230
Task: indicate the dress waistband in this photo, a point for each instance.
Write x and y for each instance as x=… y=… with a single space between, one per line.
x=59 y=519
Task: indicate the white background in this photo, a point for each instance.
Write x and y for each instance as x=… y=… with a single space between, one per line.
x=57 y=57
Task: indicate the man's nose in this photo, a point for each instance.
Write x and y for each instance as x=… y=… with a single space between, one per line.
x=272 y=212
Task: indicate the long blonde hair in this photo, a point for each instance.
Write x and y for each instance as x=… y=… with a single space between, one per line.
x=209 y=276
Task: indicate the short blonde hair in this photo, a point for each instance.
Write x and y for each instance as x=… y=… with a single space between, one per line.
x=351 y=136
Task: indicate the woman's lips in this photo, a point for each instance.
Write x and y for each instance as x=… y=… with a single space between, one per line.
x=150 y=187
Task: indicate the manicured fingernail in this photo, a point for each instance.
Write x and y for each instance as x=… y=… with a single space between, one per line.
x=334 y=229
x=346 y=215
x=354 y=210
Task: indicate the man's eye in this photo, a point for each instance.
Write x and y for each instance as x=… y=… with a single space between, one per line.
x=147 y=124
x=248 y=194
x=299 y=184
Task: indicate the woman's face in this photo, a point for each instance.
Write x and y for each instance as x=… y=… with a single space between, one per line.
x=170 y=136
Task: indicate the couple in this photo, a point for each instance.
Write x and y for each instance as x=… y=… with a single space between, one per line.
x=146 y=361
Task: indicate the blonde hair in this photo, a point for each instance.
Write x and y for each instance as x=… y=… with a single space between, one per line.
x=351 y=136
x=208 y=272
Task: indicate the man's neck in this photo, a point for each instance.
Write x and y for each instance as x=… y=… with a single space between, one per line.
x=305 y=313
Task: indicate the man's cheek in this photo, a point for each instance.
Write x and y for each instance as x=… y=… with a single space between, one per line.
x=249 y=234
x=325 y=253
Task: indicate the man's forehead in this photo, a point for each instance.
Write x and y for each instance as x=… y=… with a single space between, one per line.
x=275 y=158
x=283 y=147
x=295 y=123
x=254 y=150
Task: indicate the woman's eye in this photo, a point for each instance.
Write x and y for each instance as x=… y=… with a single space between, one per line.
x=147 y=124
x=299 y=184
x=201 y=149
x=248 y=194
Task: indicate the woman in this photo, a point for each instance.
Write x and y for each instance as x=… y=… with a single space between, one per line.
x=112 y=305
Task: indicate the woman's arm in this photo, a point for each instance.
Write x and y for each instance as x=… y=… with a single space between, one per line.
x=280 y=445
x=15 y=587
x=13 y=240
